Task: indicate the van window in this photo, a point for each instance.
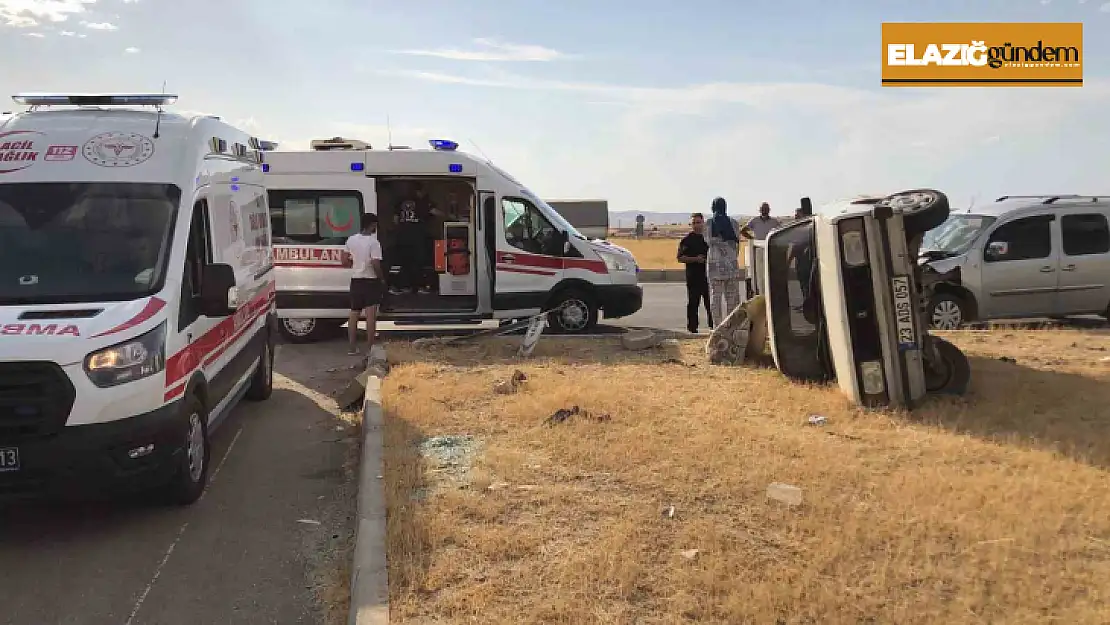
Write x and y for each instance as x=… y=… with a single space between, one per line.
x=1028 y=239
x=1085 y=234
x=314 y=217
x=60 y=242
x=198 y=253
x=527 y=229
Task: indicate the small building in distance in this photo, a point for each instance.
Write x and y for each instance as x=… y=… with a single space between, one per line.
x=590 y=217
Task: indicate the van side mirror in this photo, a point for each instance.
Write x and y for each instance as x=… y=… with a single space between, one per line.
x=217 y=290
x=997 y=249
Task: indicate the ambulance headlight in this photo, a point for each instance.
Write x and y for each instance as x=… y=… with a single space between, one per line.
x=617 y=263
x=871 y=373
x=138 y=358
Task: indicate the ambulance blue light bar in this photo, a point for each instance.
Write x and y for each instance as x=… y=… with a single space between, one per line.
x=94 y=99
x=444 y=145
x=356 y=166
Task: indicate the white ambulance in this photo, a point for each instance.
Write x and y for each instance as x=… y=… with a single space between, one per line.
x=136 y=293
x=495 y=249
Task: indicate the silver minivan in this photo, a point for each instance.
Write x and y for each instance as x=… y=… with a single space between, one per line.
x=1020 y=256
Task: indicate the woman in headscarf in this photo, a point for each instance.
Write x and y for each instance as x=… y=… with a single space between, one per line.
x=723 y=261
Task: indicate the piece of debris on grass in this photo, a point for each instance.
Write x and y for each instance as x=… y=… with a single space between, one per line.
x=1007 y=359
x=450 y=456
x=510 y=386
x=785 y=493
x=640 y=339
x=668 y=512
x=564 y=414
x=816 y=419
x=308 y=521
x=689 y=554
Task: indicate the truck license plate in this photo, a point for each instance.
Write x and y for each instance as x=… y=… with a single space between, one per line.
x=9 y=459
x=903 y=312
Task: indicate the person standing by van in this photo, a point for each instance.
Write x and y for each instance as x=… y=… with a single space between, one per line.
x=763 y=224
x=692 y=252
x=363 y=253
x=414 y=240
x=723 y=261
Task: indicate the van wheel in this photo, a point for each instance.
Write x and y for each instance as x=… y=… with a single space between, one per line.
x=948 y=372
x=262 y=382
x=191 y=476
x=946 y=312
x=573 y=312
x=302 y=329
x=922 y=209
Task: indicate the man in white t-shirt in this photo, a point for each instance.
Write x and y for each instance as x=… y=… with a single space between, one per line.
x=363 y=254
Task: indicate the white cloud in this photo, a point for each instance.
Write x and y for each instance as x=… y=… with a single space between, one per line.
x=35 y=35
x=131 y=50
x=492 y=50
x=30 y=13
x=1105 y=8
x=99 y=25
x=778 y=141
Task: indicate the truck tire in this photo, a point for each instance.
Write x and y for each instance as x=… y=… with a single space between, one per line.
x=304 y=329
x=947 y=312
x=262 y=382
x=190 y=477
x=922 y=209
x=575 y=313
x=950 y=374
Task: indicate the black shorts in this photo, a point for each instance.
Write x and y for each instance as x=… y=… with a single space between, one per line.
x=365 y=292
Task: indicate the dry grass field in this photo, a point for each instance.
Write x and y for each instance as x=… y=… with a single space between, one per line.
x=656 y=253
x=649 y=506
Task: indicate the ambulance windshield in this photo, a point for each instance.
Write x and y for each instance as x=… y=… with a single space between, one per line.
x=82 y=242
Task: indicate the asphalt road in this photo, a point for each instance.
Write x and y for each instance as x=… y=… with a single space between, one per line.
x=239 y=555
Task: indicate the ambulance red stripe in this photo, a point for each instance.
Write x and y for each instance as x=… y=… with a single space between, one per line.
x=152 y=307
x=215 y=342
x=551 y=262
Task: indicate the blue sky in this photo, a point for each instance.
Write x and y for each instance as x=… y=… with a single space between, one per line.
x=653 y=105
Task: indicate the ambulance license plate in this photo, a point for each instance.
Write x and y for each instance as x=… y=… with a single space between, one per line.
x=903 y=313
x=9 y=459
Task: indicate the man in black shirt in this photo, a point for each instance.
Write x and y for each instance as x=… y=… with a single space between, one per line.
x=692 y=251
x=414 y=241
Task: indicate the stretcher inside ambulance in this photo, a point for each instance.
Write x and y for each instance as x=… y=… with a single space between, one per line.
x=463 y=241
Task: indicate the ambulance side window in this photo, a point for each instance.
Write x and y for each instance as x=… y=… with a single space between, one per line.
x=198 y=253
x=527 y=229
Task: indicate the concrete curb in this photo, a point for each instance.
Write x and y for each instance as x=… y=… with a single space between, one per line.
x=369 y=571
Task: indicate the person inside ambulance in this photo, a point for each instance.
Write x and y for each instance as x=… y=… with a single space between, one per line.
x=414 y=243
x=104 y=221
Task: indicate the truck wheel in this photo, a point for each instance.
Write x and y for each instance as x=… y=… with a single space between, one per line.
x=303 y=329
x=262 y=382
x=947 y=312
x=575 y=313
x=191 y=476
x=922 y=209
x=950 y=372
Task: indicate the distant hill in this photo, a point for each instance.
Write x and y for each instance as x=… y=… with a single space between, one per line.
x=627 y=219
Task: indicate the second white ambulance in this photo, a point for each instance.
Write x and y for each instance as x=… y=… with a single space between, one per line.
x=495 y=249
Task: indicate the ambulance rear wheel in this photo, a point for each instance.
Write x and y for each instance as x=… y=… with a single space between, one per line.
x=304 y=329
x=949 y=371
x=573 y=312
x=922 y=209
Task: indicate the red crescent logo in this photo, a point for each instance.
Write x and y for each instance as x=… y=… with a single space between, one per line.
x=345 y=226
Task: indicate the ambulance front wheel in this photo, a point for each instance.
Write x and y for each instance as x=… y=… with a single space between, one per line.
x=572 y=312
x=303 y=329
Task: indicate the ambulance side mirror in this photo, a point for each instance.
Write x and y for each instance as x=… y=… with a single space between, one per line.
x=218 y=295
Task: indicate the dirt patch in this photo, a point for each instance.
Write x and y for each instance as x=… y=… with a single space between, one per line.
x=729 y=495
